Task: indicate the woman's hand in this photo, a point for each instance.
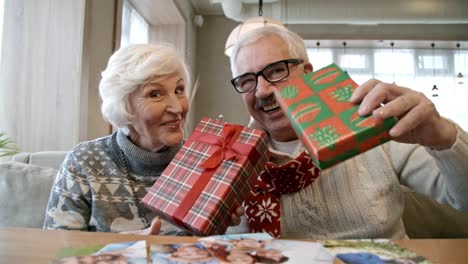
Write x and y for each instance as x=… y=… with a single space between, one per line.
x=419 y=122
x=236 y=216
x=154 y=229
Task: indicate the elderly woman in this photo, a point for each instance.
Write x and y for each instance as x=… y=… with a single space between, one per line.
x=101 y=183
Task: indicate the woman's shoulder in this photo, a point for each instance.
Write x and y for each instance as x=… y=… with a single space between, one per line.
x=93 y=147
x=92 y=154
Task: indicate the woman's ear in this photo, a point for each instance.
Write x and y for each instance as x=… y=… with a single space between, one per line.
x=308 y=67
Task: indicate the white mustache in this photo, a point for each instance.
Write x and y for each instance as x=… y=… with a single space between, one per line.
x=260 y=103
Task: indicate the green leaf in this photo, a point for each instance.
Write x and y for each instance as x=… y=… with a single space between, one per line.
x=342 y=94
x=7 y=146
x=289 y=92
x=326 y=136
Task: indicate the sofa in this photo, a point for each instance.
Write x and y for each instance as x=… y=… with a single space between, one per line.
x=26 y=181
x=25 y=184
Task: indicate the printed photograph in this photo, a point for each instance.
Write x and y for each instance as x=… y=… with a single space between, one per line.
x=372 y=251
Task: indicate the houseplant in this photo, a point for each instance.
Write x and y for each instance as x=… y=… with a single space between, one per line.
x=7 y=146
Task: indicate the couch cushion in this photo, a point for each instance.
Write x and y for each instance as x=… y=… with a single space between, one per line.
x=424 y=217
x=52 y=159
x=24 y=192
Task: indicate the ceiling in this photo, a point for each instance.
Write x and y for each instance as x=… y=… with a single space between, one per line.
x=341 y=11
x=205 y=7
x=421 y=21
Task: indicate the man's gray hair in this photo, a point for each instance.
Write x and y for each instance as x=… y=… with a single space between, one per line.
x=295 y=43
x=128 y=69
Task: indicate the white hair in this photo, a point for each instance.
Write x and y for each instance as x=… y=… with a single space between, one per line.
x=295 y=43
x=128 y=69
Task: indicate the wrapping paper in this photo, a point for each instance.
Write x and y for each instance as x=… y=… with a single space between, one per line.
x=329 y=126
x=209 y=177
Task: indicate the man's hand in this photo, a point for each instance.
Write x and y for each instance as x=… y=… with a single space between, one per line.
x=236 y=216
x=419 y=122
x=154 y=229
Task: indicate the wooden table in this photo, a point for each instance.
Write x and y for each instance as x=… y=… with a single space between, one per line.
x=27 y=245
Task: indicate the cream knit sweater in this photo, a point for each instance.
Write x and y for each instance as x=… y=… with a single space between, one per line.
x=362 y=197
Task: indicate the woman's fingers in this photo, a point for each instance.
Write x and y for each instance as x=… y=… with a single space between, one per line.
x=236 y=216
x=155 y=227
x=240 y=211
x=235 y=220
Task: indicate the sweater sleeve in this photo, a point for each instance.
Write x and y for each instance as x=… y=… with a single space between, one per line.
x=441 y=175
x=67 y=207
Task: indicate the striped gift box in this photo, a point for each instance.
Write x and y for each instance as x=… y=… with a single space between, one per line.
x=317 y=105
x=208 y=178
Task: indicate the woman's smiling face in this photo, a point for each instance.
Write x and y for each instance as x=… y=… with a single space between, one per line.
x=159 y=108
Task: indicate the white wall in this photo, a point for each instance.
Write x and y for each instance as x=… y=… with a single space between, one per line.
x=98 y=46
x=216 y=95
x=187 y=13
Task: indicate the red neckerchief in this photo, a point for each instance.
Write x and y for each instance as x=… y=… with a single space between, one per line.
x=262 y=205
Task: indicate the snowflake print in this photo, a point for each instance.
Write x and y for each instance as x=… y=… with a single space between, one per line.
x=266 y=210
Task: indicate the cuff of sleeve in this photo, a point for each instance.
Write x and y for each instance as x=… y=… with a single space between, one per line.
x=460 y=146
x=454 y=166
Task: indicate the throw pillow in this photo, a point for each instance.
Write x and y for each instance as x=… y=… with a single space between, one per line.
x=24 y=193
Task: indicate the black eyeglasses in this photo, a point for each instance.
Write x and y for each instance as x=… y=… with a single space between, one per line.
x=273 y=72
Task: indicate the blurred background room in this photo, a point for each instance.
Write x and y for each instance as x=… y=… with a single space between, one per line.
x=52 y=53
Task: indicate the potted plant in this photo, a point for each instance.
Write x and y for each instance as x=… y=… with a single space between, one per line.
x=7 y=146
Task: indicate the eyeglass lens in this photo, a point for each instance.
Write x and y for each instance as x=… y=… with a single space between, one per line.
x=272 y=73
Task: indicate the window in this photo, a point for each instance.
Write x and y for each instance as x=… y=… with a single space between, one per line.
x=354 y=61
x=418 y=69
x=461 y=63
x=134 y=26
x=429 y=63
x=320 y=57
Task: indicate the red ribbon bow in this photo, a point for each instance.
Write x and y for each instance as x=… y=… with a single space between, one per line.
x=226 y=150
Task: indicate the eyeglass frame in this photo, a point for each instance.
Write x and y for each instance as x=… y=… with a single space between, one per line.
x=260 y=72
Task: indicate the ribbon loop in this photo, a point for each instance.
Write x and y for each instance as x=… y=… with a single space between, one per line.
x=225 y=151
x=228 y=148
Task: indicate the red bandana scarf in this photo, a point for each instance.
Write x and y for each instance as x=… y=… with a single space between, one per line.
x=262 y=205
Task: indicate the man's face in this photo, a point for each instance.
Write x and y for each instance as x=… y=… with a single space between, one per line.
x=261 y=102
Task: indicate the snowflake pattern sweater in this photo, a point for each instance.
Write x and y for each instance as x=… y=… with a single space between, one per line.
x=362 y=197
x=91 y=191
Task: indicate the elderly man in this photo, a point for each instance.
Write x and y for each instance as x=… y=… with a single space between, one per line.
x=361 y=197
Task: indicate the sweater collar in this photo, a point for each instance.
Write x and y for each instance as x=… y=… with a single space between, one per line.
x=278 y=154
x=140 y=161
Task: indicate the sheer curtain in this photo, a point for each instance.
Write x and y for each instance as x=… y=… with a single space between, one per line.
x=418 y=69
x=1 y=27
x=40 y=73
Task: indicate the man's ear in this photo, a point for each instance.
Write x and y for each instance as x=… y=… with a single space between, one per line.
x=308 y=67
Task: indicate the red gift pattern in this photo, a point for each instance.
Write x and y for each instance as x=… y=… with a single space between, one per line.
x=208 y=178
x=328 y=125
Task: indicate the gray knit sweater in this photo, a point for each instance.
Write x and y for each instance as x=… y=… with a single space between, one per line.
x=362 y=197
x=91 y=191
